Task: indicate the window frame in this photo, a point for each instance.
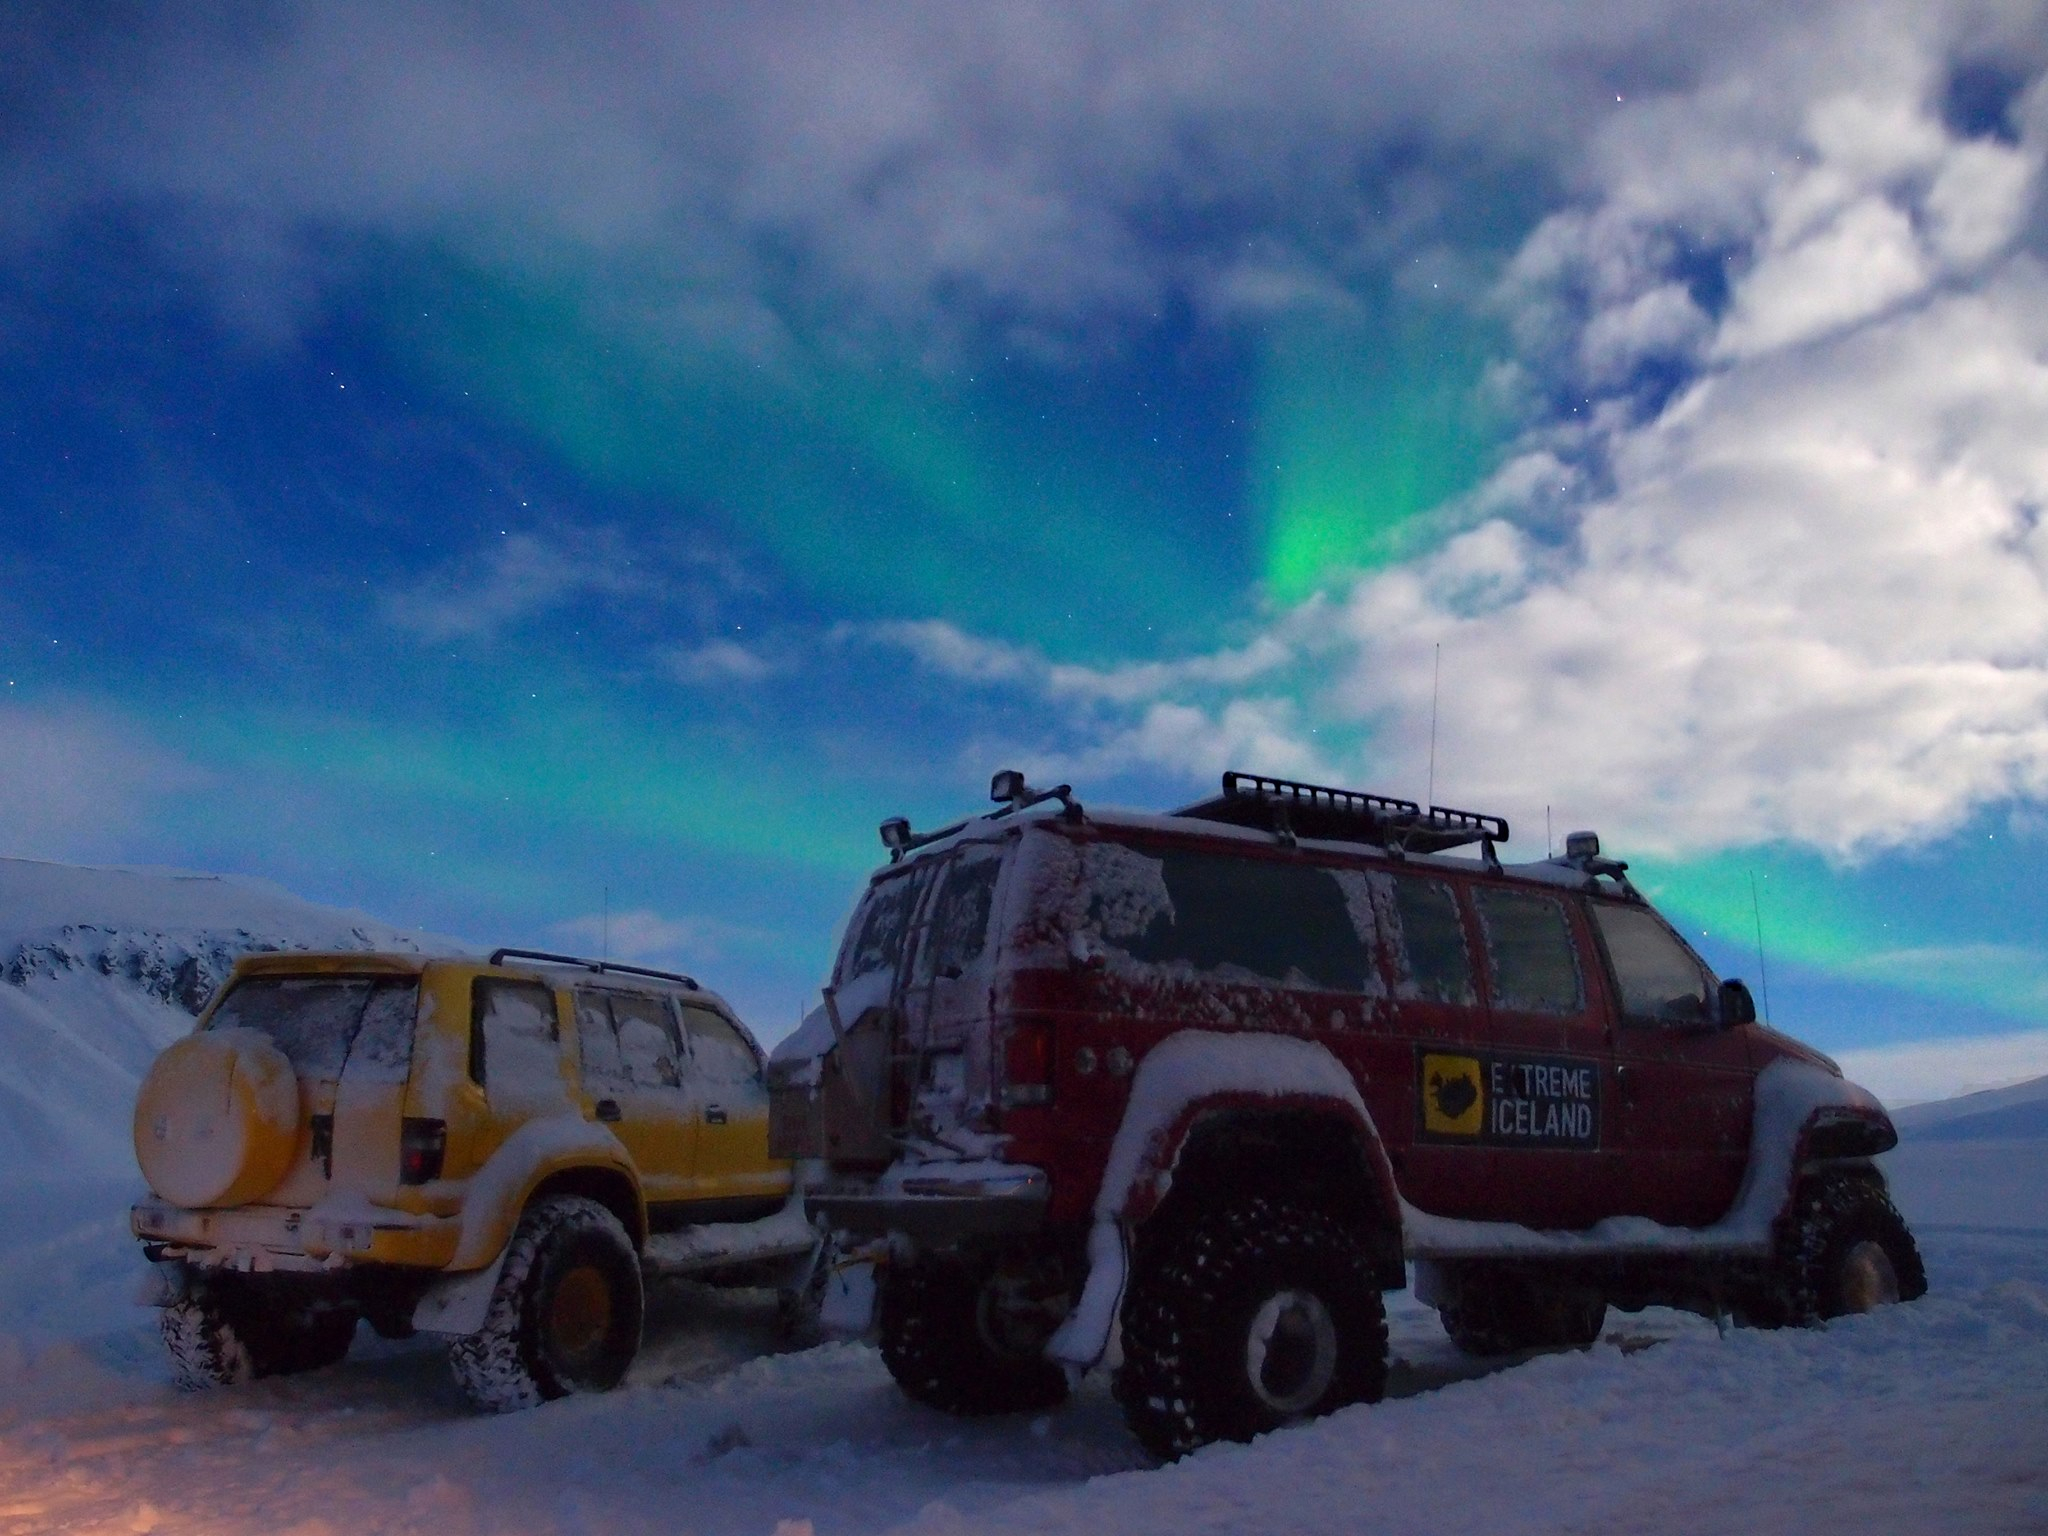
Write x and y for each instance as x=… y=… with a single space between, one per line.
x=1612 y=974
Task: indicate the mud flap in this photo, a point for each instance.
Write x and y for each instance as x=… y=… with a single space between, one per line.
x=1084 y=1337
x=459 y=1304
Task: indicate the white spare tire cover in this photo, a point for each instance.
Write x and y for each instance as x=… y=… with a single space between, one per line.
x=217 y=1119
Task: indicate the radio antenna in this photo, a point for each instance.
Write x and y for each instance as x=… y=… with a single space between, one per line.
x=1763 y=976
x=1546 y=833
x=1436 y=677
x=605 y=937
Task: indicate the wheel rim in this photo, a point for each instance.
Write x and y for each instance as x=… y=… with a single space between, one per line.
x=1290 y=1352
x=1868 y=1279
x=580 y=1315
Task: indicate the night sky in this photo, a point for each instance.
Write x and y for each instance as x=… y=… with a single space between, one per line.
x=503 y=466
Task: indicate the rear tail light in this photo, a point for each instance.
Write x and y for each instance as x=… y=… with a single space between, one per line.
x=422 y=1144
x=1027 y=1064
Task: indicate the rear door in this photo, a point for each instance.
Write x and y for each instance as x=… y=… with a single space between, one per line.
x=1445 y=1167
x=731 y=1094
x=1546 y=1065
x=633 y=1081
x=1684 y=1083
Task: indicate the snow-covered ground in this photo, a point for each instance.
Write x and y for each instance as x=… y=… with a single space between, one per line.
x=1926 y=1418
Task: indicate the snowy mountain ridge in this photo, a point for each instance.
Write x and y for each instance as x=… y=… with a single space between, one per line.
x=100 y=968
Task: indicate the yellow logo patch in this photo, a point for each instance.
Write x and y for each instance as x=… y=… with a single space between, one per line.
x=1453 y=1103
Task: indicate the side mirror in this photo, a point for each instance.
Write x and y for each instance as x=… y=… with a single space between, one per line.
x=1737 y=1006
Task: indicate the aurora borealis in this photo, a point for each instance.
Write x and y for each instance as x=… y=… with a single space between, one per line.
x=490 y=474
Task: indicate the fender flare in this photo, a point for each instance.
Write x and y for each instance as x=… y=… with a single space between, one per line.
x=1802 y=1114
x=1183 y=1081
x=531 y=1155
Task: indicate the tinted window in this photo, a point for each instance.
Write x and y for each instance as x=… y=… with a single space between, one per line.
x=1535 y=967
x=647 y=1041
x=1660 y=980
x=1283 y=921
x=717 y=1052
x=513 y=1041
x=960 y=913
x=317 y=1021
x=1434 y=964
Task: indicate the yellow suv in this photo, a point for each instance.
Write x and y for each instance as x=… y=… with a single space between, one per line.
x=490 y=1150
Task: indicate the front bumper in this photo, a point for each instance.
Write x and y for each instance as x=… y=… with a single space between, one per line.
x=938 y=1202
x=261 y=1238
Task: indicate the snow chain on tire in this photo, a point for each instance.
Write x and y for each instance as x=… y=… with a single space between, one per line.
x=1193 y=1314
x=935 y=1343
x=565 y=1315
x=1836 y=1225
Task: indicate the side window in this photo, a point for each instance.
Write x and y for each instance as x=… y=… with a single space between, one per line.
x=602 y=1067
x=1255 y=918
x=1432 y=963
x=647 y=1042
x=514 y=1047
x=718 y=1054
x=1535 y=965
x=960 y=914
x=1661 y=982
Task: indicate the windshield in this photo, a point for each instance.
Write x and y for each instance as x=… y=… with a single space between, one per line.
x=322 y=1023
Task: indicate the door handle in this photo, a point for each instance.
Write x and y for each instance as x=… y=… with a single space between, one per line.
x=714 y=1114
x=608 y=1110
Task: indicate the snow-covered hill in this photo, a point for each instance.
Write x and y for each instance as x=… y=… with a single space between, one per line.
x=100 y=969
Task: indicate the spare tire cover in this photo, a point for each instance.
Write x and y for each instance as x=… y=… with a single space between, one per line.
x=217 y=1119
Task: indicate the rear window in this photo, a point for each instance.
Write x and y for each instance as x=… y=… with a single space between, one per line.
x=875 y=939
x=326 y=1023
x=1260 y=919
x=958 y=931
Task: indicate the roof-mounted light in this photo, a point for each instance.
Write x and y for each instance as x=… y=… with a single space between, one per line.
x=1582 y=845
x=1008 y=788
x=896 y=835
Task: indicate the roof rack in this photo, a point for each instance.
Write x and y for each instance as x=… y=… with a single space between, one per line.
x=545 y=957
x=1292 y=810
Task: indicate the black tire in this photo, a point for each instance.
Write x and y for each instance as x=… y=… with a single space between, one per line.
x=225 y=1338
x=951 y=1343
x=565 y=1315
x=1492 y=1312
x=1203 y=1312
x=1842 y=1248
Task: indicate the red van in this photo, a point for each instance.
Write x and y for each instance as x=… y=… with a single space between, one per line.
x=1221 y=1076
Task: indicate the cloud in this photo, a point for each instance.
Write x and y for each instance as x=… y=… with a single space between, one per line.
x=518 y=577
x=77 y=781
x=645 y=937
x=952 y=652
x=717 y=662
x=1033 y=165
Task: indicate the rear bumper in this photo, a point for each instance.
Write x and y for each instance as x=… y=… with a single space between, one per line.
x=938 y=1202
x=262 y=1238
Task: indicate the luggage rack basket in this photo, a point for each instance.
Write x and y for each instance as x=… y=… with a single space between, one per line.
x=1291 y=810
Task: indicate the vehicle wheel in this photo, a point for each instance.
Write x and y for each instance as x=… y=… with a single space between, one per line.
x=222 y=1340
x=1842 y=1248
x=969 y=1339
x=1257 y=1314
x=1495 y=1313
x=565 y=1315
